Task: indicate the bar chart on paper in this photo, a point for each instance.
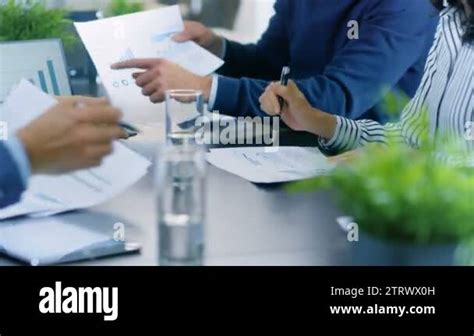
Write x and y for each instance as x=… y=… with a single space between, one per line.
x=40 y=62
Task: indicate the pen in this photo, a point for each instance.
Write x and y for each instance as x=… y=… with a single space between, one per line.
x=285 y=76
x=131 y=130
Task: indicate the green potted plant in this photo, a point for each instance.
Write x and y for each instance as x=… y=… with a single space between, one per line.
x=122 y=7
x=409 y=207
x=31 y=20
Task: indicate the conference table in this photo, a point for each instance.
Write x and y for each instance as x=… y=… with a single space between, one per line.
x=246 y=223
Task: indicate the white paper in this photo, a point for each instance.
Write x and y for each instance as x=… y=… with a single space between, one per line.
x=81 y=189
x=141 y=35
x=24 y=104
x=271 y=165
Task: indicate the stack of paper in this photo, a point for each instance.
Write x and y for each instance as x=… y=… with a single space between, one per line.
x=54 y=194
x=271 y=164
x=141 y=35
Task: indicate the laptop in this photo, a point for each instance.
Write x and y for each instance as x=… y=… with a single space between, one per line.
x=42 y=62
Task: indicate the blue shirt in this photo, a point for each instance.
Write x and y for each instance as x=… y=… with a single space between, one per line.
x=14 y=171
x=17 y=151
x=337 y=74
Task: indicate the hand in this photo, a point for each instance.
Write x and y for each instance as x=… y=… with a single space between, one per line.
x=70 y=137
x=205 y=37
x=161 y=75
x=84 y=100
x=68 y=100
x=297 y=113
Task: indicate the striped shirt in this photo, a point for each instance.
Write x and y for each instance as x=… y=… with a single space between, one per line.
x=445 y=97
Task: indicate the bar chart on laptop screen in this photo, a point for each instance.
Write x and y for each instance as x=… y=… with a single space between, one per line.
x=40 y=62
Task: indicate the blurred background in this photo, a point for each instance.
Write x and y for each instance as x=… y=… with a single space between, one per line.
x=246 y=17
x=240 y=20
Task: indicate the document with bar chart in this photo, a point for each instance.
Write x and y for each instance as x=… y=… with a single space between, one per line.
x=41 y=62
x=140 y=35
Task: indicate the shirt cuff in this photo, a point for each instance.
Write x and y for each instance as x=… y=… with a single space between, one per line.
x=213 y=94
x=224 y=48
x=18 y=152
x=330 y=144
x=345 y=137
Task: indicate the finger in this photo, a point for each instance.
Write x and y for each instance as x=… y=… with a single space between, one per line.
x=114 y=132
x=268 y=103
x=99 y=115
x=186 y=34
x=138 y=63
x=293 y=88
x=98 y=134
x=135 y=75
x=149 y=89
x=91 y=101
x=97 y=152
x=157 y=97
x=183 y=36
x=286 y=92
x=275 y=103
x=146 y=78
x=281 y=91
x=82 y=100
x=272 y=101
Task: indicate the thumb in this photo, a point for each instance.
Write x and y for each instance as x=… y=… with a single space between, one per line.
x=188 y=33
x=292 y=86
x=183 y=36
x=288 y=92
x=281 y=90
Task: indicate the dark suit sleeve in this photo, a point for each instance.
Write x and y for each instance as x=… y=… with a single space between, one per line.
x=265 y=59
x=393 y=35
x=11 y=184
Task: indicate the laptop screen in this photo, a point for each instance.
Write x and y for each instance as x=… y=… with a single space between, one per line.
x=42 y=62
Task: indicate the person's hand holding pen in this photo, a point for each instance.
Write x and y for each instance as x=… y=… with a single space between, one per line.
x=77 y=133
x=295 y=110
x=82 y=101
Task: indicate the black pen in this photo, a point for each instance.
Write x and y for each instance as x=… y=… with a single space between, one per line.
x=285 y=77
x=131 y=130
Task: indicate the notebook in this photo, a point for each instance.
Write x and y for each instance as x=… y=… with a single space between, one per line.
x=58 y=240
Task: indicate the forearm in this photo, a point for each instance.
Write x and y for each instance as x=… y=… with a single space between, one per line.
x=322 y=124
x=239 y=97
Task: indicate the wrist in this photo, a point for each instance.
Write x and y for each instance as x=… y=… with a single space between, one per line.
x=205 y=85
x=28 y=141
x=322 y=124
x=216 y=45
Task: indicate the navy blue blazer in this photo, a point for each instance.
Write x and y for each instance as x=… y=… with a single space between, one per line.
x=338 y=75
x=11 y=183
